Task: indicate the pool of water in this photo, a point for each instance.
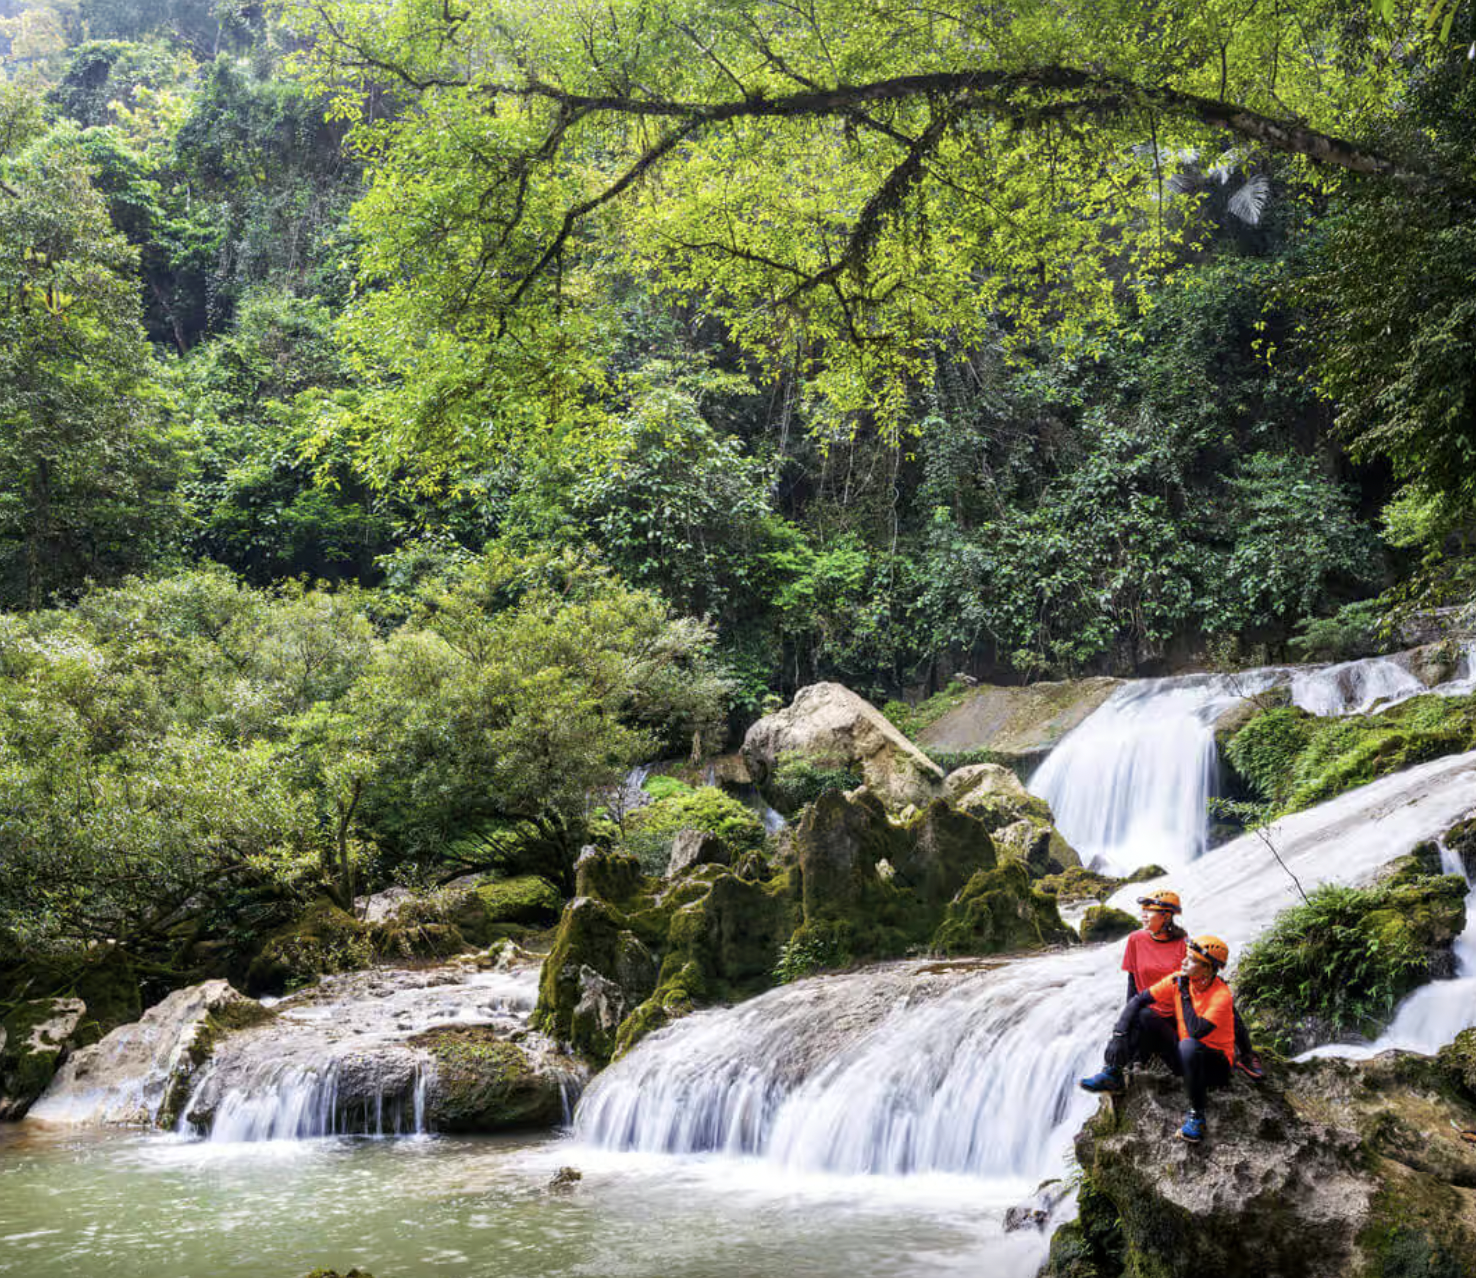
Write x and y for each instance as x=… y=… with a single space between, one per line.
x=102 y=1204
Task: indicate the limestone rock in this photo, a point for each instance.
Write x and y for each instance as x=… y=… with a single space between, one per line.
x=696 y=847
x=1103 y=923
x=1040 y=848
x=484 y=1082
x=995 y=795
x=137 y=1073
x=1018 y=725
x=999 y=912
x=34 y=1039
x=324 y=940
x=831 y=726
x=1333 y=1168
x=1434 y=663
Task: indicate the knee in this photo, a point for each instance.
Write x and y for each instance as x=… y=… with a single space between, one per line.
x=1189 y=1049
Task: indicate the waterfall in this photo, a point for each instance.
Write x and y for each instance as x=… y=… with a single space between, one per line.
x=297 y=1102
x=1131 y=785
x=967 y=1067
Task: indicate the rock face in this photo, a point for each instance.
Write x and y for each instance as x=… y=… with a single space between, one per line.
x=138 y=1072
x=692 y=848
x=1334 y=1169
x=854 y=884
x=1018 y=725
x=34 y=1039
x=831 y=727
x=484 y=1082
x=1103 y=923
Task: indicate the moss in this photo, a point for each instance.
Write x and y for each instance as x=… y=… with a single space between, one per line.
x=527 y=899
x=797 y=780
x=1340 y=963
x=998 y=912
x=27 y=1066
x=324 y=940
x=397 y=940
x=1265 y=750
x=1091 y=1246
x=485 y=1083
x=1102 y=923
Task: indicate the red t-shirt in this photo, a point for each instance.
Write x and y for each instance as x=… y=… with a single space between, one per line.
x=1216 y=1005
x=1150 y=960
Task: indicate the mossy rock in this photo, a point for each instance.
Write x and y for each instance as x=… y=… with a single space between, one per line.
x=485 y=1083
x=394 y=940
x=1040 y=848
x=609 y=875
x=528 y=900
x=323 y=941
x=1458 y=1060
x=1103 y=923
x=34 y=1039
x=999 y=912
x=1461 y=839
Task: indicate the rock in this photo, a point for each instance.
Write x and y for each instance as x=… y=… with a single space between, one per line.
x=1461 y=839
x=696 y=847
x=483 y=1082
x=34 y=1039
x=139 y=1073
x=564 y=1180
x=831 y=727
x=1019 y=726
x=1239 y=713
x=729 y=771
x=1039 y=847
x=383 y=906
x=1434 y=663
x=1036 y=1212
x=609 y=875
x=996 y=796
x=1351 y=1168
x=998 y=912
x=1103 y=923
x=324 y=940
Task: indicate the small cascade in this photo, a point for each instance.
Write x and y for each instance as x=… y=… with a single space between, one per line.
x=296 y=1103
x=1354 y=687
x=966 y=1067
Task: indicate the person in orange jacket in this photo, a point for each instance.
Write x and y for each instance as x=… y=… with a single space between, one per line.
x=1199 y=1043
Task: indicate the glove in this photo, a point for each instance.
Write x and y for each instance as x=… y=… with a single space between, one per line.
x=1183 y=983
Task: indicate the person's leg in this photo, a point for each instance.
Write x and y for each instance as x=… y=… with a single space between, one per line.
x=1246 y=1058
x=1204 y=1069
x=1158 y=1039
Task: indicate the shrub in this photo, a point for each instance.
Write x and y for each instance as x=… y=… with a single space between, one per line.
x=810 y=950
x=1265 y=751
x=650 y=830
x=798 y=780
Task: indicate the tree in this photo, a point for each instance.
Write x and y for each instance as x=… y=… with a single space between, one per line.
x=87 y=462
x=840 y=190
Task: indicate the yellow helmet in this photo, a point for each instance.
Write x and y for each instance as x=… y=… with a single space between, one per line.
x=1167 y=902
x=1211 y=948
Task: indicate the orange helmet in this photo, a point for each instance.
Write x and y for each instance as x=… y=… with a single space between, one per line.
x=1211 y=948
x=1168 y=902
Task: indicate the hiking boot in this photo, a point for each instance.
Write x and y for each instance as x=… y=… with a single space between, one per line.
x=1108 y=1080
x=1250 y=1065
x=1193 y=1128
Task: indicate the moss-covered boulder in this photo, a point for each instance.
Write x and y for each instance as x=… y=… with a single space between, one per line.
x=1103 y=923
x=1078 y=884
x=324 y=940
x=1461 y=839
x=831 y=728
x=34 y=1039
x=1040 y=848
x=994 y=794
x=1335 y=968
x=997 y=912
x=485 y=1083
x=1339 y=1169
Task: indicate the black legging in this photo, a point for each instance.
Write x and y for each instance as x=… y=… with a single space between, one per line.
x=1150 y=1036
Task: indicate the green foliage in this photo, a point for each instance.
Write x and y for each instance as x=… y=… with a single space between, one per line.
x=811 y=949
x=1266 y=750
x=1355 y=630
x=651 y=828
x=662 y=787
x=798 y=781
x=911 y=720
x=1346 y=957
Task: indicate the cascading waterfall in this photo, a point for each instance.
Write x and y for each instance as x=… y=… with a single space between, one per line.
x=1131 y=785
x=299 y=1103
x=966 y=1068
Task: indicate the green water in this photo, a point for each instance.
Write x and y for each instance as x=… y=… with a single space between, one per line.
x=116 y=1205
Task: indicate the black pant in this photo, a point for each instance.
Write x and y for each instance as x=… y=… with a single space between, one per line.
x=1151 y=1036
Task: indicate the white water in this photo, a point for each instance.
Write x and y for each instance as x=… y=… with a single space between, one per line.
x=1435 y=1013
x=933 y=1068
x=1131 y=785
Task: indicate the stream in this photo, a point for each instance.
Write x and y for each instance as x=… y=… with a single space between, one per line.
x=872 y=1123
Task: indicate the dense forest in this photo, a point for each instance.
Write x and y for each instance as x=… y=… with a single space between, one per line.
x=413 y=415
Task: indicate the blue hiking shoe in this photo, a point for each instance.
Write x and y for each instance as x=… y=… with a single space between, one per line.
x=1108 y=1080
x=1193 y=1128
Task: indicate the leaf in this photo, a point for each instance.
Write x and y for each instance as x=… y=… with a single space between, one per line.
x=1250 y=201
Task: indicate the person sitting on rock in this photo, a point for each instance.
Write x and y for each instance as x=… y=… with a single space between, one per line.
x=1154 y=951
x=1198 y=1044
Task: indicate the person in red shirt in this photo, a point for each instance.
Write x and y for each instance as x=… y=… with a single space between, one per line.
x=1200 y=1046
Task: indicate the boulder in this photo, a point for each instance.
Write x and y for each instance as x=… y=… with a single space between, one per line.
x=484 y=1082
x=995 y=795
x=34 y=1039
x=1239 y=713
x=1338 y=1168
x=1039 y=847
x=323 y=940
x=1019 y=726
x=696 y=847
x=830 y=727
x=1434 y=663
x=999 y=912
x=140 y=1073
x=1103 y=923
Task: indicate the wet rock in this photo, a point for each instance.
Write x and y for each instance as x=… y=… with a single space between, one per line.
x=564 y=1180
x=485 y=1082
x=34 y=1039
x=833 y=728
x=696 y=847
x=1039 y=847
x=1102 y=923
x=609 y=875
x=1019 y=726
x=1342 y=1168
x=138 y=1072
x=1434 y=663
x=1036 y=1212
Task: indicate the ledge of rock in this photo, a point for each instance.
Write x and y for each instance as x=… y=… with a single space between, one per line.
x=1018 y=725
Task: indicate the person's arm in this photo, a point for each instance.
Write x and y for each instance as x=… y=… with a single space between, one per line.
x=1194 y=1024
